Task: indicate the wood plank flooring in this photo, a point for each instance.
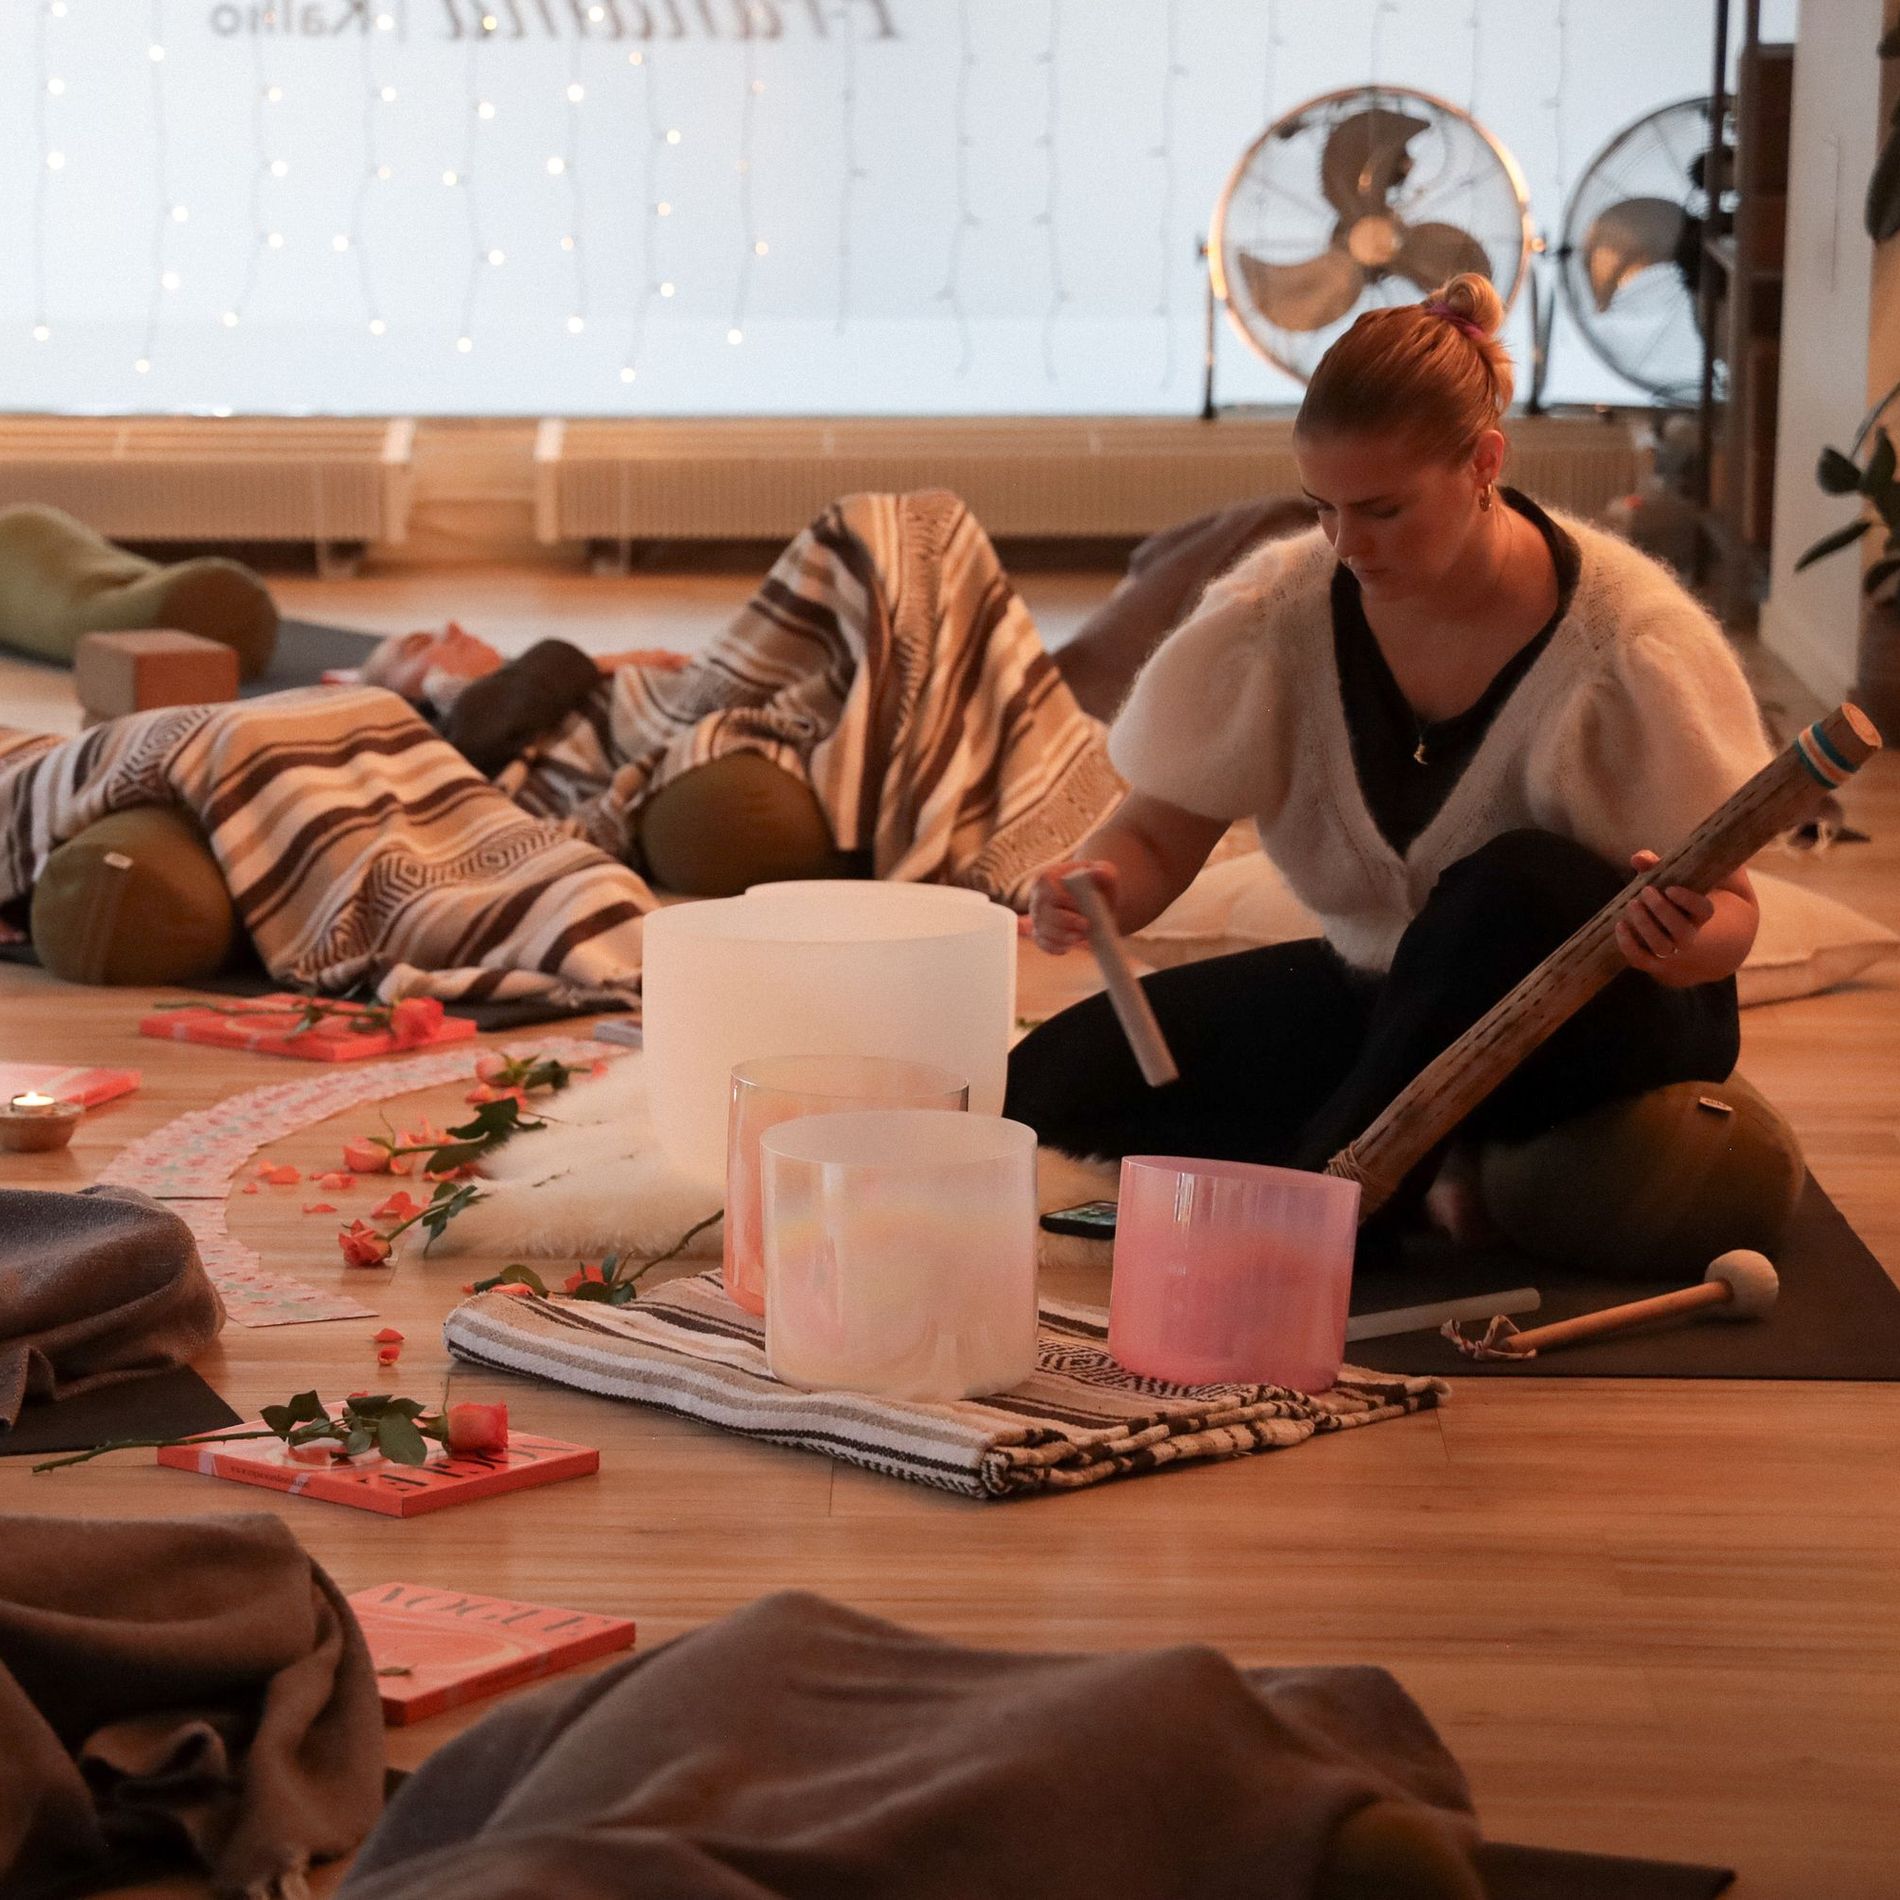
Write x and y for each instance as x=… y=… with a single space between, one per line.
x=1649 y=1618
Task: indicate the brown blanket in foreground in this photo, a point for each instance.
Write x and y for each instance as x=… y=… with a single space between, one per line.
x=183 y=1693
x=799 y=1749
x=95 y=1288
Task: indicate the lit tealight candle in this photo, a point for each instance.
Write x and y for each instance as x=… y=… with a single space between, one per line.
x=35 y=1121
x=34 y=1103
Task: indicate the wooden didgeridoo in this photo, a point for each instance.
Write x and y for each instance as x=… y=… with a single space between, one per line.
x=1785 y=792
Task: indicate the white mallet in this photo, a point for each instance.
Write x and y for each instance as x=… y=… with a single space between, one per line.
x=1125 y=993
x=1740 y=1285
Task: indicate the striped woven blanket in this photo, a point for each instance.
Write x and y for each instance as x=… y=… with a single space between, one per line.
x=886 y=659
x=1080 y=1419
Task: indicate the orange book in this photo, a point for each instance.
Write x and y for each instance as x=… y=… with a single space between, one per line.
x=271 y=1025
x=375 y=1484
x=88 y=1086
x=436 y=1649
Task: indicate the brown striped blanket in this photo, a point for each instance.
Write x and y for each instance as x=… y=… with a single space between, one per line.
x=1080 y=1418
x=886 y=659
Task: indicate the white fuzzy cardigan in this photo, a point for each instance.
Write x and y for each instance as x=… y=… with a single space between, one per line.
x=1632 y=725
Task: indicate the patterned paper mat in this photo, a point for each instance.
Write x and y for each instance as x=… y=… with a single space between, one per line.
x=190 y=1163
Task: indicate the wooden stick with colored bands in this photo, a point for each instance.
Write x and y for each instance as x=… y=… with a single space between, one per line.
x=1785 y=792
x=1129 y=999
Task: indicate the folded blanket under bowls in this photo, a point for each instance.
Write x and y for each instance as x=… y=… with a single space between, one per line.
x=1079 y=1420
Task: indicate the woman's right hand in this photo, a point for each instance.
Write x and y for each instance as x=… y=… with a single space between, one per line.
x=1055 y=918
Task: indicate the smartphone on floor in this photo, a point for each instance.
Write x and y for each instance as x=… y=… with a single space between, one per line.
x=1092 y=1220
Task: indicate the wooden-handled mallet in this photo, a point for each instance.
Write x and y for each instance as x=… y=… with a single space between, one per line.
x=1125 y=994
x=1785 y=792
x=1739 y=1285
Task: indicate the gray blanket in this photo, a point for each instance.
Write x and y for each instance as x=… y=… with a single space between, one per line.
x=191 y=1692
x=95 y=1288
x=798 y=1749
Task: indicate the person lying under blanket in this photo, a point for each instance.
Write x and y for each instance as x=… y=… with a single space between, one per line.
x=1457 y=720
x=883 y=706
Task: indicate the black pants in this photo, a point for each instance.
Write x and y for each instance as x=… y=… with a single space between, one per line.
x=1286 y=1053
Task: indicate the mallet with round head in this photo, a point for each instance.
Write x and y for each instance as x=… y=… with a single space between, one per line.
x=1738 y=1285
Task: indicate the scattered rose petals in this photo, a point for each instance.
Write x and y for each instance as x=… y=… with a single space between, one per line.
x=250 y=1187
x=283 y=1175
x=518 y=1289
x=415 y=1019
x=337 y=1180
x=362 y=1245
x=389 y=1337
x=399 y=1206
x=319 y=1207
x=388 y=1355
x=470 y=1426
x=366 y=1157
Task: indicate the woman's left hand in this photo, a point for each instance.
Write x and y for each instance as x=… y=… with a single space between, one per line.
x=1659 y=926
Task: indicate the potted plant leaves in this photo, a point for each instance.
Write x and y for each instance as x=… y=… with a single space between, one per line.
x=1873 y=482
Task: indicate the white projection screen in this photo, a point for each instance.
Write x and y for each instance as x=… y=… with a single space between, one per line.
x=596 y=207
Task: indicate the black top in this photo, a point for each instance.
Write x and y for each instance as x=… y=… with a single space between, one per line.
x=496 y=718
x=1407 y=765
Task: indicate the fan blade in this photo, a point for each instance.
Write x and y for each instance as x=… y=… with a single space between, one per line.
x=1627 y=238
x=1304 y=296
x=1433 y=254
x=1365 y=159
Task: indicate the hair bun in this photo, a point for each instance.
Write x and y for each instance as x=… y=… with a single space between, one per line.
x=1471 y=298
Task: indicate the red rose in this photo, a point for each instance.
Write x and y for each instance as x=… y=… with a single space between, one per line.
x=366 y=1157
x=362 y=1245
x=492 y=1066
x=399 y=1206
x=415 y=1019
x=469 y=1427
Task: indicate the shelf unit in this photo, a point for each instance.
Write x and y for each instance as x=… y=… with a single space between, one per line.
x=1744 y=252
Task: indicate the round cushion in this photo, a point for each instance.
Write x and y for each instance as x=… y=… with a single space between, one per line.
x=1651 y=1187
x=732 y=823
x=168 y=918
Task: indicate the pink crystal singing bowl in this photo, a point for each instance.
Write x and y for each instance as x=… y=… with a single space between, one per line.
x=1231 y=1274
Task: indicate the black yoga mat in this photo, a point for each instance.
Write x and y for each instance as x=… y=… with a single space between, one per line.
x=1837 y=1315
x=1548 y=1873
x=306 y=649
x=172 y=1404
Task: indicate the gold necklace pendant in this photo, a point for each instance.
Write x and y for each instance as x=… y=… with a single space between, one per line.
x=1418 y=756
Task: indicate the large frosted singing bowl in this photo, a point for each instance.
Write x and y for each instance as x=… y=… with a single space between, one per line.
x=900 y=1253
x=856 y=969
x=1231 y=1274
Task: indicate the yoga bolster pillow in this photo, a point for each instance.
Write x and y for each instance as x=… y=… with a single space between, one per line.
x=59 y=580
x=734 y=822
x=1652 y=1187
x=175 y=922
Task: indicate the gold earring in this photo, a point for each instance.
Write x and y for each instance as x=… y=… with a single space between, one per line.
x=1484 y=499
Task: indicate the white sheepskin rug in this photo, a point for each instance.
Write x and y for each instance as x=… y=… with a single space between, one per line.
x=595 y=1180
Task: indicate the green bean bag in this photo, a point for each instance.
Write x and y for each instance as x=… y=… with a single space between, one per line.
x=1653 y=1187
x=60 y=580
x=734 y=822
x=167 y=919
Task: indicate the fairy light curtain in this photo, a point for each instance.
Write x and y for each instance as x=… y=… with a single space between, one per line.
x=704 y=206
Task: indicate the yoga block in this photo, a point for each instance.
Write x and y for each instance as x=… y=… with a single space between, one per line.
x=117 y=673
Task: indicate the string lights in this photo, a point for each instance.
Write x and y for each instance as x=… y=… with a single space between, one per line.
x=952 y=292
x=163 y=279
x=460 y=177
x=1172 y=70
x=658 y=210
x=567 y=165
x=375 y=95
x=1058 y=296
x=1559 y=155
x=51 y=86
x=751 y=245
x=852 y=171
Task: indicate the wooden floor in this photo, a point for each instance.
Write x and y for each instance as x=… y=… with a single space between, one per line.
x=1649 y=1618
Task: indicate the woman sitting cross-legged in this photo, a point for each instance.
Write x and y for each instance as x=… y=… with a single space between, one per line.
x=1457 y=720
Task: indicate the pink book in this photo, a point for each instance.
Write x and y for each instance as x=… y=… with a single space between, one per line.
x=376 y=1484
x=436 y=1649
x=273 y=1026
x=90 y=1086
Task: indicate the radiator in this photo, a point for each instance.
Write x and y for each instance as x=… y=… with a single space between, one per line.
x=161 y=478
x=745 y=479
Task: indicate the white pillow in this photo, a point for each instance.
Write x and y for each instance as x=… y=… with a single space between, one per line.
x=1807 y=942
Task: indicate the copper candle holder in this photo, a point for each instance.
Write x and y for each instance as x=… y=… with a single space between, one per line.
x=33 y=1123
